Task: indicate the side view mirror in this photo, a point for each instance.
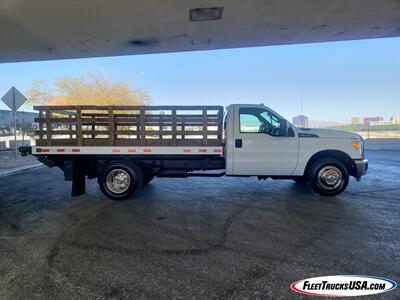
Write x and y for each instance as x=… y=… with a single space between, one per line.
x=284 y=128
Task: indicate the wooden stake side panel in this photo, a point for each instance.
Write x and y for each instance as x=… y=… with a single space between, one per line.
x=162 y=126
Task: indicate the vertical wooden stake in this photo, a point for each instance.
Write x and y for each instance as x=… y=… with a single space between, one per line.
x=111 y=129
x=40 y=125
x=174 y=126
x=220 y=124
x=48 y=127
x=70 y=127
x=142 y=128
x=79 y=136
x=205 y=127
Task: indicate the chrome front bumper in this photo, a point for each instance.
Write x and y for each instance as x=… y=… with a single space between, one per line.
x=361 y=167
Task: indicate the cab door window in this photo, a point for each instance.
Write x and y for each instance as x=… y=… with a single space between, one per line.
x=258 y=120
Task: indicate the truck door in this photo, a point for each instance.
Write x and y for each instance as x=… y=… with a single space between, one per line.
x=259 y=148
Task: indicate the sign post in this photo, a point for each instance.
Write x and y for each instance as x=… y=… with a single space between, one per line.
x=14 y=99
x=22 y=127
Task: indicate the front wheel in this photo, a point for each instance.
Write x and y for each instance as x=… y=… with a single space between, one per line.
x=328 y=176
x=119 y=180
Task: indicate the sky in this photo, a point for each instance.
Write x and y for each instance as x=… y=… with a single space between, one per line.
x=334 y=80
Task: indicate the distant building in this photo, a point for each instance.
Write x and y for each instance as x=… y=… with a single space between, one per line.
x=392 y=121
x=381 y=122
x=368 y=120
x=355 y=120
x=395 y=119
x=300 y=121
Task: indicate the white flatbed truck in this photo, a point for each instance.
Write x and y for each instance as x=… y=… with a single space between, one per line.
x=125 y=147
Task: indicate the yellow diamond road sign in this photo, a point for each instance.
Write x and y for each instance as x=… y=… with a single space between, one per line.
x=14 y=99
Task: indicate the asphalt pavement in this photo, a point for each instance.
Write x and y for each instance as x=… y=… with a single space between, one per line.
x=195 y=238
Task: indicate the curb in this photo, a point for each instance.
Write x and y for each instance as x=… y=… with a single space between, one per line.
x=20 y=169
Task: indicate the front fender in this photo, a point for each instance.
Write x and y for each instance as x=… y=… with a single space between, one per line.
x=310 y=147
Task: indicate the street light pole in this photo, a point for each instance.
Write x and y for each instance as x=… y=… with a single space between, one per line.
x=22 y=128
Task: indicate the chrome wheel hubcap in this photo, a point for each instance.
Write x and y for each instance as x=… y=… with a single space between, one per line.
x=330 y=177
x=118 y=181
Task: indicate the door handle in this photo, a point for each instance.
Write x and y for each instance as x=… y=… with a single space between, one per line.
x=238 y=143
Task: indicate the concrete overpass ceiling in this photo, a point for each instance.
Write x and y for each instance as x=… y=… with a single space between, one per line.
x=59 y=29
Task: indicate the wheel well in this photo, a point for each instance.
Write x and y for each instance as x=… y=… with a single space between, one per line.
x=98 y=165
x=336 y=154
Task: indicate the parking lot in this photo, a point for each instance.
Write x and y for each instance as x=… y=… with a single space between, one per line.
x=217 y=238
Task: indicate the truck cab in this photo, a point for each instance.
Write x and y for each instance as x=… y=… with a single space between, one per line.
x=260 y=142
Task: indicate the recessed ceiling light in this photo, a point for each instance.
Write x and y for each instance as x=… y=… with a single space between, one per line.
x=206 y=14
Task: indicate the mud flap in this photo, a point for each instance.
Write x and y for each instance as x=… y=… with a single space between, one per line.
x=78 y=177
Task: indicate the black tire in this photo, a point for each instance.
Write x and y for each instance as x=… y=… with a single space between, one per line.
x=301 y=180
x=323 y=176
x=147 y=179
x=128 y=170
